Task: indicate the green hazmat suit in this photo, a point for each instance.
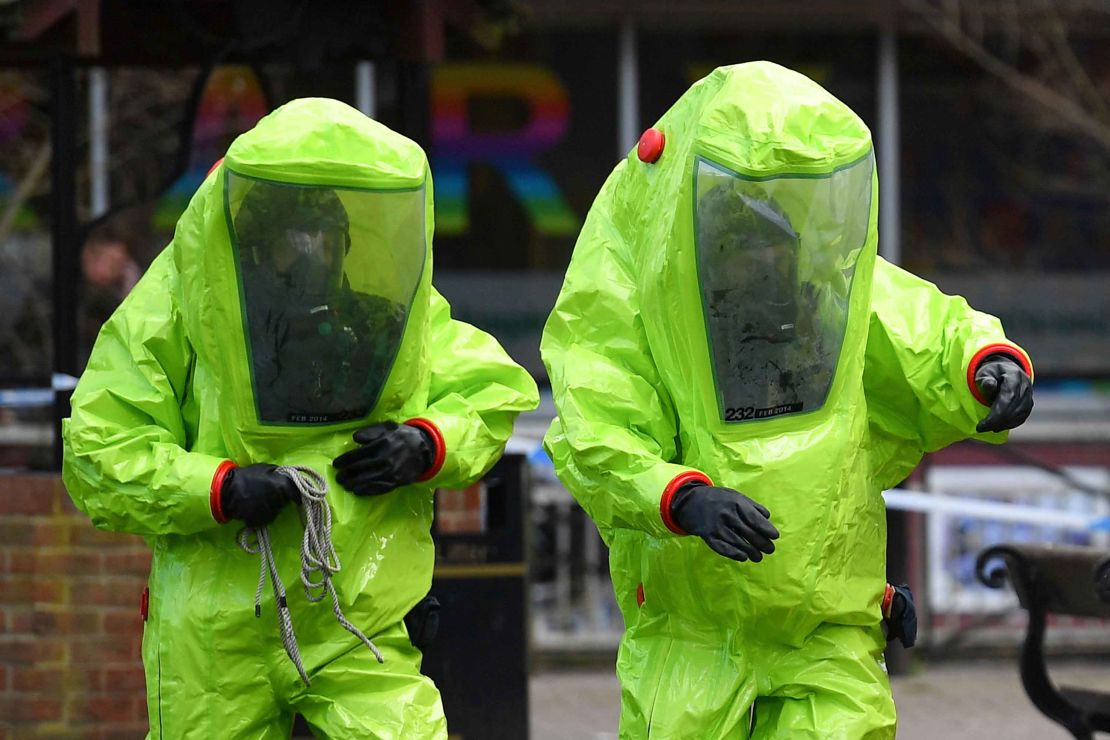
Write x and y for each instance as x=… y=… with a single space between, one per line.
x=209 y=359
x=725 y=318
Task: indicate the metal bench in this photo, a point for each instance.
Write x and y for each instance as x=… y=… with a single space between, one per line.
x=1059 y=580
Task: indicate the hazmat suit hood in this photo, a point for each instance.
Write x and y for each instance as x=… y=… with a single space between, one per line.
x=746 y=252
x=769 y=236
x=305 y=273
x=755 y=264
x=725 y=320
x=294 y=305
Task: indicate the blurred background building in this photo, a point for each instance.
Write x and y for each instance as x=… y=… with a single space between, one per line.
x=992 y=128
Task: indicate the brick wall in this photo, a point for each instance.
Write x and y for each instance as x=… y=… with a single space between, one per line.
x=70 y=630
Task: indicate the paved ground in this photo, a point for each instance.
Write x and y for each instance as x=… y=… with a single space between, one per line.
x=953 y=701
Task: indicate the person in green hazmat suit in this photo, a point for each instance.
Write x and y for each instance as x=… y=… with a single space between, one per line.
x=293 y=308
x=730 y=359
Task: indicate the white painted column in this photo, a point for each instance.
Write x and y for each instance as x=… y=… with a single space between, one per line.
x=99 y=180
x=628 y=89
x=366 y=89
x=890 y=208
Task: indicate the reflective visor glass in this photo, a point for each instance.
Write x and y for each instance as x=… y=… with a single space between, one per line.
x=776 y=258
x=327 y=279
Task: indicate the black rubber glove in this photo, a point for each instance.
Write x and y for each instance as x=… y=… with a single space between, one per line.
x=730 y=523
x=256 y=494
x=1003 y=382
x=389 y=455
x=902 y=620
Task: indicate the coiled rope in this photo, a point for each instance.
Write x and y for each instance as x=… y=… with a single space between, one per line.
x=319 y=562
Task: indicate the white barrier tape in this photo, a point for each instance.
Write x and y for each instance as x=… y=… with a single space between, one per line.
x=26 y=398
x=935 y=503
x=31 y=398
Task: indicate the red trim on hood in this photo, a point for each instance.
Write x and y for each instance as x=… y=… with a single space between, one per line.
x=651 y=145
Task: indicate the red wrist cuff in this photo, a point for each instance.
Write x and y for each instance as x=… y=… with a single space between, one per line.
x=1016 y=353
x=888 y=599
x=440 y=446
x=215 y=492
x=668 y=494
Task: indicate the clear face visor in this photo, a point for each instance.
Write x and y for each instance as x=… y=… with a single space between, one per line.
x=776 y=260
x=327 y=278
x=308 y=259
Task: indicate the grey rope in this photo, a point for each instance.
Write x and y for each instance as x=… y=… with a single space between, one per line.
x=319 y=562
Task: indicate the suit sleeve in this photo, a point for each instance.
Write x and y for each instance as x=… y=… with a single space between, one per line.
x=923 y=348
x=125 y=457
x=476 y=393
x=614 y=438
